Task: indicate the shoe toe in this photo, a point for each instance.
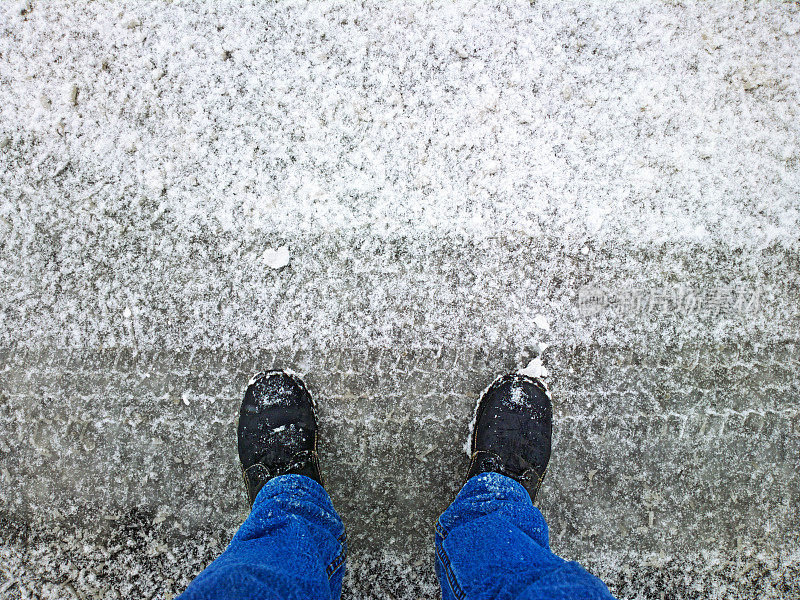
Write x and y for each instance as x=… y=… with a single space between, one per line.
x=513 y=410
x=274 y=389
x=276 y=418
x=518 y=393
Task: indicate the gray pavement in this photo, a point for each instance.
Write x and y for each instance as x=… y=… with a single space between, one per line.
x=612 y=188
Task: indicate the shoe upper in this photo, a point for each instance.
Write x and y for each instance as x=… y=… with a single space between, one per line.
x=277 y=431
x=512 y=431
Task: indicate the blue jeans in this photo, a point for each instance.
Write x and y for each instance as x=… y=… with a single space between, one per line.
x=491 y=543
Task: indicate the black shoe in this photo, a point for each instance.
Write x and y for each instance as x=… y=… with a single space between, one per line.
x=512 y=430
x=277 y=431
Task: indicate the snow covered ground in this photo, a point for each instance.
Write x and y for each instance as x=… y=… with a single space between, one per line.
x=400 y=201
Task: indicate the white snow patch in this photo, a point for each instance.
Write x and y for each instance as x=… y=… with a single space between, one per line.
x=284 y=370
x=542 y=322
x=276 y=258
x=535 y=369
x=468 y=441
x=516 y=396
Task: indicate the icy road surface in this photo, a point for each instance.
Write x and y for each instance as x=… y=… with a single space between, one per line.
x=400 y=201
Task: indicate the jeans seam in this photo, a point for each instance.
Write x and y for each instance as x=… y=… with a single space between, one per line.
x=440 y=529
x=458 y=592
x=338 y=561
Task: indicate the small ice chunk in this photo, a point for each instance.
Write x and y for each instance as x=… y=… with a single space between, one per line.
x=542 y=322
x=127 y=312
x=185 y=397
x=535 y=369
x=276 y=258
